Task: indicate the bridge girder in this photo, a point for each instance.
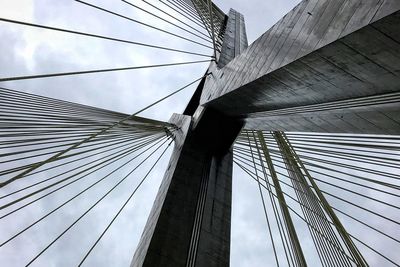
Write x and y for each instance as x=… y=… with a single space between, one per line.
x=327 y=66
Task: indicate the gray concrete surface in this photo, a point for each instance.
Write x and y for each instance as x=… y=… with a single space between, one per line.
x=323 y=53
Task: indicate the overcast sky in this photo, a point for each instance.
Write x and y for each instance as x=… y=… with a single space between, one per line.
x=27 y=51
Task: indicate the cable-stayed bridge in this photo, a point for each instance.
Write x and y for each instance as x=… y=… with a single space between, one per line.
x=309 y=111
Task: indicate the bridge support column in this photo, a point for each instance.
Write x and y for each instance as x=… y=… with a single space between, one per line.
x=189 y=224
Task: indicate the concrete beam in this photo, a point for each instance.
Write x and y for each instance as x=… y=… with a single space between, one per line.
x=319 y=53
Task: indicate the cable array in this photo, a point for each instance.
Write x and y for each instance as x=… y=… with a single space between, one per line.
x=53 y=149
x=330 y=182
x=35 y=128
x=213 y=18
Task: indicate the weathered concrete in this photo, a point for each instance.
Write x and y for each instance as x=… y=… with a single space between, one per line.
x=183 y=122
x=235 y=38
x=319 y=53
x=189 y=224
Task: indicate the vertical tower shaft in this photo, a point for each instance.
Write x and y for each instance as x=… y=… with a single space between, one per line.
x=189 y=224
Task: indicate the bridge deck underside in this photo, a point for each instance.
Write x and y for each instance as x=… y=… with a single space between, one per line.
x=349 y=85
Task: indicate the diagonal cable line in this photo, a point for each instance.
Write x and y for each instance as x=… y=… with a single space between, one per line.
x=102 y=37
x=97 y=71
x=243 y=155
x=27 y=101
x=129 y=148
x=142 y=23
x=350 y=203
x=355 y=218
x=184 y=10
x=167 y=21
x=380 y=254
x=94 y=205
x=277 y=216
x=190 y=7
x=63 y=146
x=124 y=146
x=85 y=190
x=388 y=185
x=378 y=182
x=265 y=209
x=175 y=18
x=119 y=157
x=320 y=231
x=289 y=207
x=195 y=20
x=212 y=29
x=309 y=160
x=344 y=213
x=123 y=206
x=374 y=250
x=298 y=215
x=82 y=152
x=57 y=155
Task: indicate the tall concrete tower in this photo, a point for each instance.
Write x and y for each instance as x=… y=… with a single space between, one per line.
x=324 y=67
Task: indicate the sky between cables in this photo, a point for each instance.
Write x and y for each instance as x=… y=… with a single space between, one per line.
x=35 y=51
